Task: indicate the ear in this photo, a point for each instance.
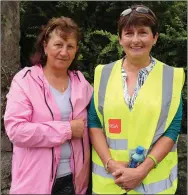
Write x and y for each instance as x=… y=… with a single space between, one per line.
x=155 y=38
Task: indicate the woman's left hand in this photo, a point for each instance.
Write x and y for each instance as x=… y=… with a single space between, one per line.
x=128 y=178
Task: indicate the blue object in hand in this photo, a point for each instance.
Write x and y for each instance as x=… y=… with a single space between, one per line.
x=137 y=157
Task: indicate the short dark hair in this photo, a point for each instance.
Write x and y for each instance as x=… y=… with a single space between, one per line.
x=136 y=19
x=64 y=26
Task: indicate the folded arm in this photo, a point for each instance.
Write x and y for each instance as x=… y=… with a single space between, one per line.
x=22 y=131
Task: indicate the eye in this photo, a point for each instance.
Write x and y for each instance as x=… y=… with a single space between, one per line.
x=143 y=32
x=70 y=46
x=128 y=33
x=58 y=45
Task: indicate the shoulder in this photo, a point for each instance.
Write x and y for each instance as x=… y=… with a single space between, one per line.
x=167 y=66
x=109 y=65
x=81 y=84
x=76 y=76
x=18 y=84
x=79 y=77
x=177 y=73
x=106 y=68
x=21 y=74
x=25 y=77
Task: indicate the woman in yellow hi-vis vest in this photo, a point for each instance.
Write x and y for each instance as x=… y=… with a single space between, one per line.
x=136 y=102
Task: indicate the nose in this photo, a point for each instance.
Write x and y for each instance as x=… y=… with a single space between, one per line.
x=135 y=38
x=64 y=51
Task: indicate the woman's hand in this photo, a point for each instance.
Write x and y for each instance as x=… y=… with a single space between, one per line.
x=115 y=165
x=77 y=127
x=129 y=178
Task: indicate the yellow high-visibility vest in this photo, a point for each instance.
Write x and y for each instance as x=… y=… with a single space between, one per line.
x=154 y=109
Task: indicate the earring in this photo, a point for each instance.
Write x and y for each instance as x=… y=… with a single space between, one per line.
x=154 y=45
x=45 y=53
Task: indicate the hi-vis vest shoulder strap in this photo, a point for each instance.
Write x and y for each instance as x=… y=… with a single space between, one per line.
x=154 y=109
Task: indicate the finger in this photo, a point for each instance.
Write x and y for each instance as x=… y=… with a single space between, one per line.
x=123 y=187
x=117 y=172
x=119 y=180
x=83 y=119
x=117 y=177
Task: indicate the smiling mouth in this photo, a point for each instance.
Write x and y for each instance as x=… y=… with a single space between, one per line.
x=136 y=47
x=63 y=59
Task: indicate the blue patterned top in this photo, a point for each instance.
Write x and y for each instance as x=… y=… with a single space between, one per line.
x=142 y=75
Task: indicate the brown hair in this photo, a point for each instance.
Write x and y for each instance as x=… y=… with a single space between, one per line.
x=136 y=19
x=64 y=27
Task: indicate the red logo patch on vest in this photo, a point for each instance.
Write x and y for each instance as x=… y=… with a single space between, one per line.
x=114 y=125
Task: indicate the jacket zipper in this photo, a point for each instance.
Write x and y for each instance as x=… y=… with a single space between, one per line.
x=82 y=140
x=53 y=120
x=73 y=150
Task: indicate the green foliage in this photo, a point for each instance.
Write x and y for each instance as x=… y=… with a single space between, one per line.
x=104 y=46
x=171 y=50
x=111 y=51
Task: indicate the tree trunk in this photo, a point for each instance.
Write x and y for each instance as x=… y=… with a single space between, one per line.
x=10 y=54
x=10 y=57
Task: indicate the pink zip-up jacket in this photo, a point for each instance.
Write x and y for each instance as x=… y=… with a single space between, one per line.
x=33 y=125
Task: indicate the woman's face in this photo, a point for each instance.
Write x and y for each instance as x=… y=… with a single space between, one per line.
x=60 y=53
x=137 y=41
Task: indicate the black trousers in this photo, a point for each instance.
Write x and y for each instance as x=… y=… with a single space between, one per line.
x=63 y=186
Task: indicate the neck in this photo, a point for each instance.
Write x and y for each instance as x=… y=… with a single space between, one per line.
x=55 y=73
x=132 y=64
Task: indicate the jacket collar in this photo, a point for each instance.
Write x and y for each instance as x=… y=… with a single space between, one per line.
x=37 y=74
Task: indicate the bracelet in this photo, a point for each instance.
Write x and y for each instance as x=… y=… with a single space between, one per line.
x=154 y=159
x=106 y=165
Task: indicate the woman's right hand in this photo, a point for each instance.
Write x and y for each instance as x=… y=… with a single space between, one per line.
x=77 y=127
x=114 y=165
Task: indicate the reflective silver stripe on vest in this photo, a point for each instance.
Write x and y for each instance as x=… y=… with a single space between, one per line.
x=103 y=84
x=117 y=144
x=98 y=170
x=159 y=186
x=102 y=89
x=167 y=84
x=174 y=147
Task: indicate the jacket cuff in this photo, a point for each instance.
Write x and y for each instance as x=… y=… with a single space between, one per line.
x=69 y=131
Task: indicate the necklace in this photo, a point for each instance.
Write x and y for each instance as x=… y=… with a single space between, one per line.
x=60 y=84
x=63 y=89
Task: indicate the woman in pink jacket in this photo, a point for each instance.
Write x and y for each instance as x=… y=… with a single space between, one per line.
x=46 y=117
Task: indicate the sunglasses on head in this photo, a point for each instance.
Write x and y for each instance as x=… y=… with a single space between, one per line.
x=143 y=10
